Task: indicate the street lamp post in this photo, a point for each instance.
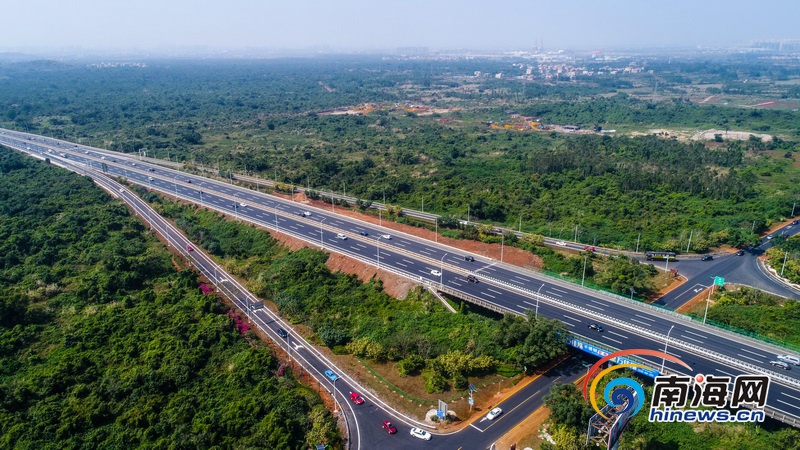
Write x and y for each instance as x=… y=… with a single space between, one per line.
x=175 y=183
x=441 y=271
x=666 y=342
x=583 y=277
x=378 y=252
x=502 y=245
x=333 y=393
x=321 y=242
x=708 y=300
x=536 y=315
x=235 y=201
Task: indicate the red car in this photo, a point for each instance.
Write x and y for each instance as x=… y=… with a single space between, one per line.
x=356 y=398
x=389 y=427
x=189 y=247
x=588 y=248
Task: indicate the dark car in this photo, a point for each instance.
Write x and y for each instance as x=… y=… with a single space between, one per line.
x=595 y=327
x=389 y=427
x=282 y=333
x=707 y=258
x=151 y=169
x=363 y=233
x=472 y=278
x=740 y=253
x=189 y=181
x=469 y=258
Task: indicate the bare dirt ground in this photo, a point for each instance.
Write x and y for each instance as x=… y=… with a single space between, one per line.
x=708 y=135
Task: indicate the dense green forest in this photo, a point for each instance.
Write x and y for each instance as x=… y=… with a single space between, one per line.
x=103 y=344
x=266 y=117
x=416 y=333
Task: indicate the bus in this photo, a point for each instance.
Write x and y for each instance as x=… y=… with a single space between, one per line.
x=660 y=256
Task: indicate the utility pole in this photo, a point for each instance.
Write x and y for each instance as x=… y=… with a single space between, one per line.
x=637 y=242
x=690 y=241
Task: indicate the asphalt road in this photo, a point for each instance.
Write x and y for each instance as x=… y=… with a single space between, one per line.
x=627 y=325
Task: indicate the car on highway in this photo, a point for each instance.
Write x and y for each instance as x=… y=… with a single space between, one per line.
x=740 y=253
x=341 y=236
x=357 y=399
x=386 y=236
x=242 y=205
x=789 y=359
x=770 y=237
x=596 y=327
x=189 y=248
x=150 y=169
x=469 y=258
x=472 y=278
x=332 y=376
x=588 y=248
x=389 y=427
x=420 y=434
x=189 y=181
x=707 y=258
x=305 y=213
x=781 y=364
x=150 y=178
x=561 y=243
x=282 y=333
x=436 y=273
x=363 y=233
x=494 y=413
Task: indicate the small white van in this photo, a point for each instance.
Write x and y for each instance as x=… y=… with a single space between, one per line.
x=789 y=359
x=341 y=236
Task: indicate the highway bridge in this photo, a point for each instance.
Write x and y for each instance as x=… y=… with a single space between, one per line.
x=501 y=287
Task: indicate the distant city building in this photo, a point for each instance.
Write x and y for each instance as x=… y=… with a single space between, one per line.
x=783 y=45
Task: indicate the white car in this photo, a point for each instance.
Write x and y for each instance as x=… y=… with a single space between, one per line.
x=494 y=413
x=421 y=434
x=341 y=236
x=789 y=359
x=561 y=243
x=305 y=213
x=386 y=236
x=436 y=273
x=242 y=205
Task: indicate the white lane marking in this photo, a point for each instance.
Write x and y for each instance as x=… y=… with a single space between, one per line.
x=693 y=339
x=553 y=293
x=488 y=295
x=452 y=282
x=400 y=245
x=725 y=373
x=569 y=324
x=496 y=292
x=520 y=278
x=311 y=233
x=596 y=307
x=473 y=426
x=793 y=405
x=698 y=335
x=529 y=303
x=407 y=261
x=645 y=318
x=359 y=244
x=754 y=353
x=491 y=268
x=572 y=318
x=430 y=249
x=617 y=334
x=614 y=340
x=293 y=227
x=643 y=323
x=401 y=264
x=559 y=290
x=796 y=398
x=425 y=253
x=747 y=357
x=599 y=303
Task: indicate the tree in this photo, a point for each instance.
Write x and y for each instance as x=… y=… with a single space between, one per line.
x=567 y=406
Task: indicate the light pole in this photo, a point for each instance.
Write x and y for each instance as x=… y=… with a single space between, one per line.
x=585 y=258
x=321 y=242
x=235 y=201
x=502 y=245
x=175 y=183
x=441 y=271
x=277 y=206
x=666 y=342
x=378 y=251
x=333 y=393
x=708 y=300
x=785 y=257
x=536 y=315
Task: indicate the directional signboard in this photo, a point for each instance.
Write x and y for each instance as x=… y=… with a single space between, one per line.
x=719 y=281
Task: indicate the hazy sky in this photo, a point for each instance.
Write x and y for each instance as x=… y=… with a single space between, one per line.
x=386 y=24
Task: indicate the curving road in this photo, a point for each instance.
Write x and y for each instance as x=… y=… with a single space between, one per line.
x=508 y=288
